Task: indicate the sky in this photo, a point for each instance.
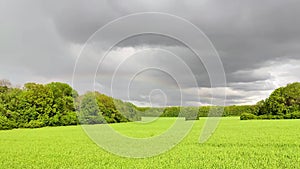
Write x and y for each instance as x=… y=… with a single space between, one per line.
x=257 y=42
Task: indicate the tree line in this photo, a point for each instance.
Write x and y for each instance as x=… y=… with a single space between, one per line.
x=58 y=104
x=197 y=112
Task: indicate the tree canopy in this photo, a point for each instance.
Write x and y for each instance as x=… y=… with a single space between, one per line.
x=284 y=102
x=57 y=104
x=37 y=105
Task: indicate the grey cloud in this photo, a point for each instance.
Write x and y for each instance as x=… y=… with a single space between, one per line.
x=31 y=46
x=252 y=38
x=77 y=20
x=252 y=86
x=246 y=34
x=248 y=76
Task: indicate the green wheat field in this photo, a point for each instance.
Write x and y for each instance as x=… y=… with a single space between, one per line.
x=235 y=144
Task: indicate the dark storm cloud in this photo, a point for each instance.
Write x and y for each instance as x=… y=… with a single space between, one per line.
x=40 y=41
x=248 y=76
x=77 y=20
x=246 y=33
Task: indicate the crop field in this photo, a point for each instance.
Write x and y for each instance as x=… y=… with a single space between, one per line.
x=235 y=144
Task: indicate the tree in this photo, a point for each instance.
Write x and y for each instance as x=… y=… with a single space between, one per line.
x=36 y=104
x=63 y=102
x=171 y=112
x=108 y=108
x=128 y=110
x=291 y=93
x=89 y=110
x=282 y=101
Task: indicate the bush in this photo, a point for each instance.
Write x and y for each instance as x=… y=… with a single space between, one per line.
x=171 y=112
x=34 y=124
x=69 y=119
x=191 y=118
x=288 y=116
x=93 y=120
x=6 y=124
x=295 y=115
x=248 y=116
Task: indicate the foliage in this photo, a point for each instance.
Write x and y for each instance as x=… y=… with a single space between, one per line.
x=108 y=108
x=151 y=111
x=89 y=110
x=53 y=104
x=283 y=103
x=248 y=116
x=37 y=105
x=283 y=100
x=171 y=112
x=6 y=123
x=238 y=110
x=128 y=110
x=203 y=111
x=294 y=115
x=190 y=113
x=97 y=108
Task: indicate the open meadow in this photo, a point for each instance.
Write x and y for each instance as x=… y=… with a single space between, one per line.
x=235 y=144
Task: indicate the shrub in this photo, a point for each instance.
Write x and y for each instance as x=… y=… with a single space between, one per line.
x=248 y=116
x=34 y=124
x=171 y=112
x=6 y=124
x=288 y=116
x=191 y=118
x=93 y=120
x=69 y=119
x=265 y=116
x=295 y=115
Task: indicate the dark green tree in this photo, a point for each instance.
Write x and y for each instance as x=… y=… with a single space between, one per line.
x=63 y=103
x=89 y=112
x=283 y=102
x=36 y=104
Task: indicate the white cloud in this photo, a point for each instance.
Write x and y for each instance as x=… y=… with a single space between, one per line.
x=283 y=72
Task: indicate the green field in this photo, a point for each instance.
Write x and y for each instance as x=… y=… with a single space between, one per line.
x=235 y=144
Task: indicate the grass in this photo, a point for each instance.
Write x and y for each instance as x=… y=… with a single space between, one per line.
x=235 y=144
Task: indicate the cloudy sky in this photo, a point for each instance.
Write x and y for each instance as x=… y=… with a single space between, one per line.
x=258 y=44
